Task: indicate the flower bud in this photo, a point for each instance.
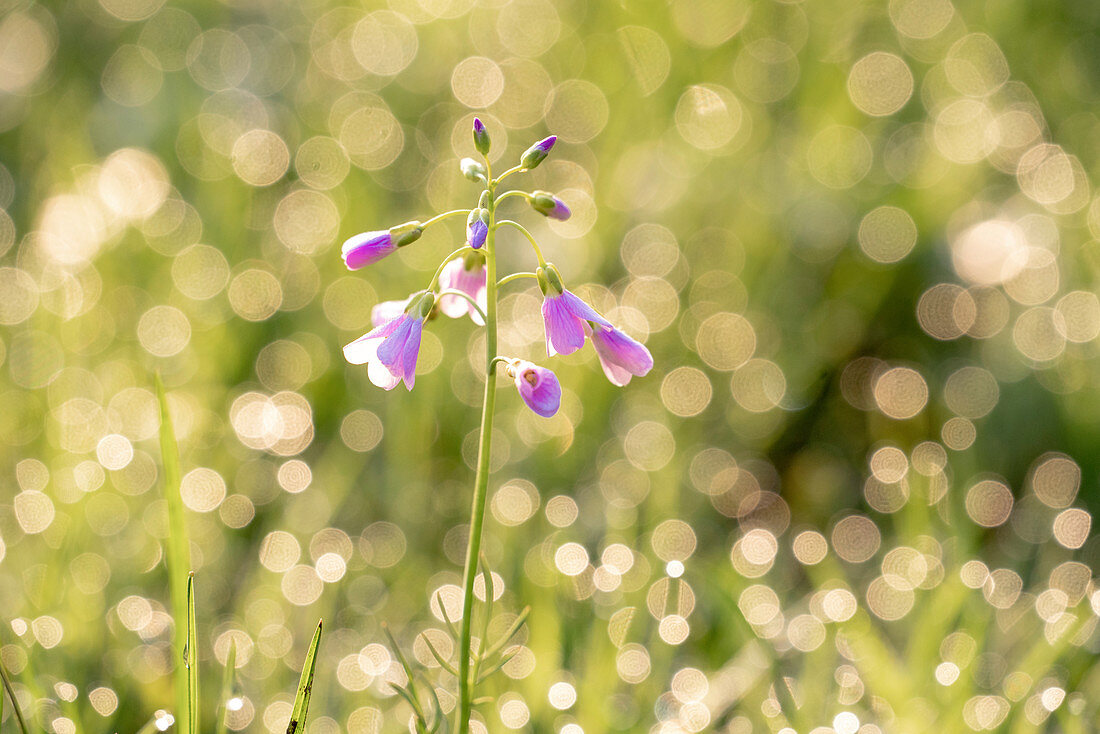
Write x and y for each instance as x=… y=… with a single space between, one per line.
x=549 y=205
x=481 y=137
x=477 y=227
x=472 y=170
x=407 y=233
x=537 y=153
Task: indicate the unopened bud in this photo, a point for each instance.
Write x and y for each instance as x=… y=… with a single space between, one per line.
x=407 y=233
x=481 y=137
x=472 y=170
x=549 y=205
x=537 y=153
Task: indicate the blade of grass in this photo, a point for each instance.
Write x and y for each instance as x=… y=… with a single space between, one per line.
x=305 y=685
x=14 y=703
x=413 y=700
x=178 y=550
x=227 y=687
x=192 y=660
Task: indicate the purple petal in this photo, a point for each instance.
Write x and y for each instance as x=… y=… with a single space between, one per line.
x=620 y=355
x=582 y=310
x=366 y=248
x=391 y=351
x=547 y=143
x=539 y=388
x=476 y=234
x=564 y=333
x=560 y=211
x=410 y=351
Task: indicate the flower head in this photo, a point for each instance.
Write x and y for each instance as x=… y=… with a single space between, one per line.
x=477 y=227
x=390 y=350
x=538 y=386
x=468 y=275
x=367 y=248
x=481 y=137
x=620 y=356
x=537 y=153
x=564 y=316
x=549 y=205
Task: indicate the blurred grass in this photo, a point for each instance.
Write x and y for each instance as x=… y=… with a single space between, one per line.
x=140 y=234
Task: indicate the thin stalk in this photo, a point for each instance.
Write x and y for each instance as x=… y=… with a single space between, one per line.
x=481 y=480
x=515 y=276
x=467 y=296
x=444 y=215
x=530 y=237
x=439 y=271
x=514 y=192
x=506 y=174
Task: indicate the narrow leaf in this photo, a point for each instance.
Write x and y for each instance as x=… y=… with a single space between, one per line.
x=14 y=703
x=227 y=686
x=443 y=662
x=178 y=550
x=305 y=686
x=192 y=659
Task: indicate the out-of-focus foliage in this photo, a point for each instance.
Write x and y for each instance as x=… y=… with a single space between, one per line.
x=858 y=237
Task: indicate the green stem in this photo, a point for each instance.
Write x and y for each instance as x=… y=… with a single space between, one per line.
x=467 y=296
x=506 y=174
x=515 y=276
x=481 y=481
x=530 y=238
x=514 y=192
x=439 y=271
x=444 y=215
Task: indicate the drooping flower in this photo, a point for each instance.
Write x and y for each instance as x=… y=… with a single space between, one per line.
x=564 y=316
x=367 y=248
x=481 y=137
x=477 y=227
x=620 y=356
x=470 y=276
x=390 y=350
x=538 y=386
x=549 y=205
x=537 y=153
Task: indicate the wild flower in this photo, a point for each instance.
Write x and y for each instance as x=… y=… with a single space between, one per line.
x=466 y=283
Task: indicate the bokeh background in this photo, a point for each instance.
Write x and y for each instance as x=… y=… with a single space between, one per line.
x=854 y=494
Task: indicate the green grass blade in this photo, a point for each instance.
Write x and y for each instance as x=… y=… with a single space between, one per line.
x=178 y=550
x=305 y=685
x=14 y=704
x=192 y=660
x=227 y=687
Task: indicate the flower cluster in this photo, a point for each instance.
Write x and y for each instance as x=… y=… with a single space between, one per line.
x=461 y=287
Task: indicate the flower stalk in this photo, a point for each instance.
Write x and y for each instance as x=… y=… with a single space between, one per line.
x=481 y=477
x=469 y=286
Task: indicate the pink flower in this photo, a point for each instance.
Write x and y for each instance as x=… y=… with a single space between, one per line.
x=387 y=311
x=564 y=317
x=390 y=350
x=367 y=248
x=471 y=281
x=538 y=386
x=620 y=356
